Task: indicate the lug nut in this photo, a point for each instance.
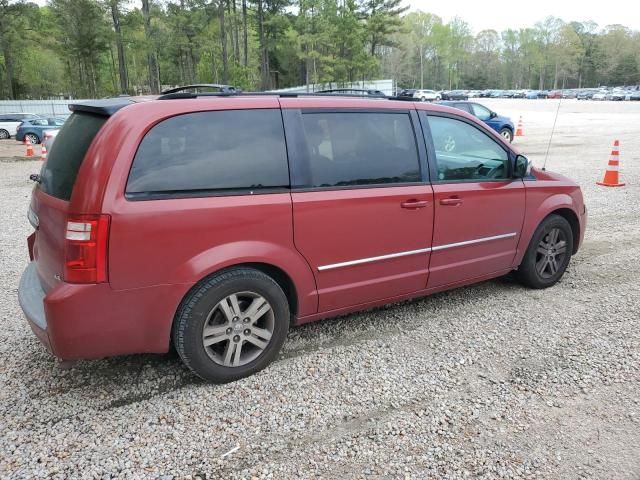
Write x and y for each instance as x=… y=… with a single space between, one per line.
x=247 y=320
x=247 y=332
x=229 y=330
x=236 y=338
x=235 y=319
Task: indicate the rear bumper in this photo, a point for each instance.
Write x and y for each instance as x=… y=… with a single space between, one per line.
x=31 y=298
x=94 y=321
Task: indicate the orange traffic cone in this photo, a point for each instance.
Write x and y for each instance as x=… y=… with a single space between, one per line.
x=519 y=132
x=611 y=174
x=29 y=147
x=43 y=152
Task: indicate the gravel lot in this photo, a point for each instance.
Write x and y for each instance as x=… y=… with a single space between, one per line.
x=490 y=381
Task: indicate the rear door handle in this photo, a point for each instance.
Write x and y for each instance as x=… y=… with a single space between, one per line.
x=414 y=204
x=450 y=202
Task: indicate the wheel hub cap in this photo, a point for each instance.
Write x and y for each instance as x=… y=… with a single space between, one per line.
x=238 y=329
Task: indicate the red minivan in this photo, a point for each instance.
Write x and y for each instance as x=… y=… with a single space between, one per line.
x=213 y=222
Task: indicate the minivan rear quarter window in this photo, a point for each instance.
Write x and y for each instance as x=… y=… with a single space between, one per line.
x=59 y=172
x=208 y=152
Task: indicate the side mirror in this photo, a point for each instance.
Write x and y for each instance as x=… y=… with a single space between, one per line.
x=493 y=115
x=522 y=168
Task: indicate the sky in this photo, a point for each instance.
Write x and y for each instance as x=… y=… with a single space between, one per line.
x=500 y=15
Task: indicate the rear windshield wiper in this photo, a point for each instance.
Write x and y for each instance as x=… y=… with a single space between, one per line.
x=35 y=177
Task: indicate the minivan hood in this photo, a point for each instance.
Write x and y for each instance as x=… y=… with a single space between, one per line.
x=552 y=176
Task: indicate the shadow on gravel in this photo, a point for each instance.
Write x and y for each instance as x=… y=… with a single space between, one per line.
x=121 y=381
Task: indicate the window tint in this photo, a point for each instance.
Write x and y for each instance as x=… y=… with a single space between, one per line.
x=60 y=170
x=225 y=150
x=360 y=149
x=39 y=122
x=483 y=113
x=463 y=152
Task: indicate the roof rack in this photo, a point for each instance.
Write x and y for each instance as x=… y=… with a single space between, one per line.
x=354 y=91
x=183 y=95
x=218 y=86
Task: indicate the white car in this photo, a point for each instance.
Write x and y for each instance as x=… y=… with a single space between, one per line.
x=427 y=95
x=9 y=123
x=599 y=96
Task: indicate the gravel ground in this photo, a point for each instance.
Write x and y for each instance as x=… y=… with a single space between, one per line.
x=489 y=381
x=10 y=149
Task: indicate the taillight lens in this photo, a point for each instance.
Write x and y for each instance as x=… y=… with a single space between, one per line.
x=86 y=242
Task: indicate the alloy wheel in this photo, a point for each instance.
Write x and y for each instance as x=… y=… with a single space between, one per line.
x=238 y=329
x=551 y=253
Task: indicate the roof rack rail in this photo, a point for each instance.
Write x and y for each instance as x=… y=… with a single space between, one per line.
x=218 y=86
x=183 y=95
x=366 y=92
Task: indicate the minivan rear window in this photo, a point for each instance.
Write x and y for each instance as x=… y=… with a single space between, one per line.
x=207 y=152
x=59 y=172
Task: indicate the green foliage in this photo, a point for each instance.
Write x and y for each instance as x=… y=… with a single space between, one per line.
x=95 y=48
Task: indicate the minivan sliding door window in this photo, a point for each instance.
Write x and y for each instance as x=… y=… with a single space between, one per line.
x=350 y=149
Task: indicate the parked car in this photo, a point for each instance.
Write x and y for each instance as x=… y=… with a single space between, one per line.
x=485 y=93
x=615 y=95
x=406 y=94
x=502 y=125
x=585 y=95
x=455 y=95
x=144 y=238
x=9 y=123
x=599 y=96
x=635 y=96
x=569 y=94
x=554 y=94
x=426 y=95
x=48 y=137
x=33 y=129
x=496 y=94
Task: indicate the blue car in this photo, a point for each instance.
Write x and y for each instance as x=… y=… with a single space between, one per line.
x=34 y=128
x=502 y=125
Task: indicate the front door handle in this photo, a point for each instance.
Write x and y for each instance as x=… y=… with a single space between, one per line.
x=450 y=202
x=414 y=204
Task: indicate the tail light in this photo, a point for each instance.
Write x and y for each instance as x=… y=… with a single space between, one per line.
x=85 y=252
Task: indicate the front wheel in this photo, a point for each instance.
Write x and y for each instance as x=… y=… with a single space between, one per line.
x=507 y=134
x=548 y=254
x=231 y=325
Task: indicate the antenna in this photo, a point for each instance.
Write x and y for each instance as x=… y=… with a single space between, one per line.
x=553 y=129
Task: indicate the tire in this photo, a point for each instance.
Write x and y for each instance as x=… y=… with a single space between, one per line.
x=507 y=134
x=438 y=98
x=210 y=304
x=530 y=272
x=33 y=138
x=4 y=134
x=423 y=99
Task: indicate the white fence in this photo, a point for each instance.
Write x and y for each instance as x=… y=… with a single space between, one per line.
x=49 y=108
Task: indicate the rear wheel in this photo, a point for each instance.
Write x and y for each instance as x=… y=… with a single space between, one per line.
x=548 y=254
x=4 y=134
x=33 y=138
x=232 y=325
x=507 y=134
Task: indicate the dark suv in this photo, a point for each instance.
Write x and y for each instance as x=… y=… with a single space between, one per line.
x=296 y=208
